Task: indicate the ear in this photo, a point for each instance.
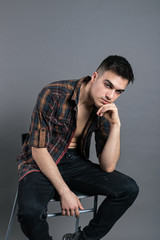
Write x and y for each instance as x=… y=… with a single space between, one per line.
x=94 y=77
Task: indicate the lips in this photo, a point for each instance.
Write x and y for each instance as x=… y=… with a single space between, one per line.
x=105 y=101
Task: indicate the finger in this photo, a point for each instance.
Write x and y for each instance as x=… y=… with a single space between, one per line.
x=63 y=212
x=100 y=113
x=77 y=212
x=105 y=108
x=68 y=213
x=99 y=110
x=72 y=212
x=80 y=205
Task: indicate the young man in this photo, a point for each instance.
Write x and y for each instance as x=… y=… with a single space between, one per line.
x=55 y=155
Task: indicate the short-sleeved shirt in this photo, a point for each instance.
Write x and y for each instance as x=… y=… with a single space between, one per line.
x=53 y=125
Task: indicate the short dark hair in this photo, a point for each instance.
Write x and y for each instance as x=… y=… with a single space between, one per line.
x=118 y=65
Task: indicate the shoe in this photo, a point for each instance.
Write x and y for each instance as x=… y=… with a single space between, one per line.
x=72 y=236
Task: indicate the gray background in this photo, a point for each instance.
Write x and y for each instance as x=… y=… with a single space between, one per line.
x=45 y=40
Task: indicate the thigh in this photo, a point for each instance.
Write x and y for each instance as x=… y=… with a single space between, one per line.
x=90 y=179
x=35 y=190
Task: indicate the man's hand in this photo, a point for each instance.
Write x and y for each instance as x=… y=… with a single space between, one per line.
x=70 y=204
x=109 y=112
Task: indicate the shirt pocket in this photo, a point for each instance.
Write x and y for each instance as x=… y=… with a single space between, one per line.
x=60 y=126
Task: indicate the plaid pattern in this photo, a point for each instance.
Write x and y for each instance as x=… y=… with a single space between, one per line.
x=53 y=125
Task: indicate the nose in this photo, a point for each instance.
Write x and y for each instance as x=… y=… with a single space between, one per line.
x=110 y=94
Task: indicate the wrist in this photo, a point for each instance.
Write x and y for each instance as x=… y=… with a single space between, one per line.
x=63 y=191
x=115 y=125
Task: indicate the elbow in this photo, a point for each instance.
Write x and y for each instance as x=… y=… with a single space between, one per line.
x=107 y=166
x=108 y=169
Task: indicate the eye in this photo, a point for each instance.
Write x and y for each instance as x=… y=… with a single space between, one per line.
x=107 y=85
x=119 y=92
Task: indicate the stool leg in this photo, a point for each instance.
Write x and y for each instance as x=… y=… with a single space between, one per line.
x=95 y=205
x=11 y=216
x=77 y=224
x=77 y=221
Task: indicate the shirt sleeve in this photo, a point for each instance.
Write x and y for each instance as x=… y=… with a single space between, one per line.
x=101 y=134
x=41 y=127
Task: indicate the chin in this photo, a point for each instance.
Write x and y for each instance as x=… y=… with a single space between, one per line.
x=98 y=105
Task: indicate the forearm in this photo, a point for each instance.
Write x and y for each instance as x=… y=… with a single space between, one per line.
x=49 y=168
x=111 y=151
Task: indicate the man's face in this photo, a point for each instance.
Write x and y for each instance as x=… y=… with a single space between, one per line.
x=106 y=88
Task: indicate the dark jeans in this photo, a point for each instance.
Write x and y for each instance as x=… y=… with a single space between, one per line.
x=35 y=191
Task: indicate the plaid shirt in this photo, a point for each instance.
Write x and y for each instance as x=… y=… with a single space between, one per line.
x=53 y=125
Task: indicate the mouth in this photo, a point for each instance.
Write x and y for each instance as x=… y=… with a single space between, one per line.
x=104 y=101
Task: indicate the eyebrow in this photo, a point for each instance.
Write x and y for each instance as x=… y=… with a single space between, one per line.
x=106 y=80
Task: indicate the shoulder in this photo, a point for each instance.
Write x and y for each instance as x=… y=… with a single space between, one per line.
x=58 y=87
x=53 y=92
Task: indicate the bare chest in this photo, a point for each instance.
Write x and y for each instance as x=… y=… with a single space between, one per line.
x=82 y=118
x=83 y=115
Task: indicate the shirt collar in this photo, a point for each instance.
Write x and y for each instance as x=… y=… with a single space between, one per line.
x=75 y=96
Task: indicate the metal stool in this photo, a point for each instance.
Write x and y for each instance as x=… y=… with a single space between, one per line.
x=79 y=195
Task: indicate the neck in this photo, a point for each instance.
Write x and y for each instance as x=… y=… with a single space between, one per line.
x=84 y=96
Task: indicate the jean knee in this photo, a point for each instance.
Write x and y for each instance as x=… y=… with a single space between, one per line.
x=31 y=215
x=131 y=190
